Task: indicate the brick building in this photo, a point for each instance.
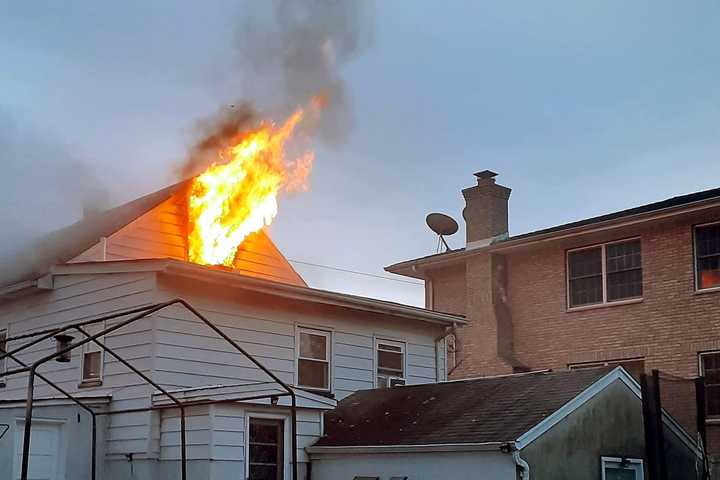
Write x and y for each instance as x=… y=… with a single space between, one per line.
x=639 y=287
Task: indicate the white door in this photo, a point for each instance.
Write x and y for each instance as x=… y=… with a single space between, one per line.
x=45 y=462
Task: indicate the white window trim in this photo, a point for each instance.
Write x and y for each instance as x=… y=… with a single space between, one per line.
x=696 y=284
x=91 y=347
x=328 y=334
x=605 y=301
x=376 y=362
x=286 y=439
x=637 y=463
x=701 y=372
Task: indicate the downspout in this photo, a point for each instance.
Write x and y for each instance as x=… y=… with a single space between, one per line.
x=525 y=474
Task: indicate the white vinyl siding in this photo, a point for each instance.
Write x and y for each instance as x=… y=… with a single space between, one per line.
x=83 y=297
x=3 y=361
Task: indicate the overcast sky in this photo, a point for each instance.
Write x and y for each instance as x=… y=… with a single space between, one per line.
x=582 y=107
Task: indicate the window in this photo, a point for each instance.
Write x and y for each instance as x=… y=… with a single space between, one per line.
x=314 y=359
x=614 y=468
x=390 y=363
x=634 y=366
x=265 y=449
x=92 y=358
x=707 y=256
x=3 y=337
x=710 y=369
x=604 y=273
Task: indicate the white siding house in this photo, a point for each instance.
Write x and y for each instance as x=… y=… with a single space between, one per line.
x=134 y=256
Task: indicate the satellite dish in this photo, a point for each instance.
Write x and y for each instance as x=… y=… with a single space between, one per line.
x=442 y=225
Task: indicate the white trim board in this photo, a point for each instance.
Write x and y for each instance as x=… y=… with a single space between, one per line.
x=618 y=373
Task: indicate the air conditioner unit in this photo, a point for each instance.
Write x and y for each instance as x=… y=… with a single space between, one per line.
x=389 y=382
x=396 y=382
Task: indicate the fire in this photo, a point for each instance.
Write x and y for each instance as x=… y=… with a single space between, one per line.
x=239 y=196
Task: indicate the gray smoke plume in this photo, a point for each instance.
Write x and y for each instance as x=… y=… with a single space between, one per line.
x=289 y=52
x=43 y=188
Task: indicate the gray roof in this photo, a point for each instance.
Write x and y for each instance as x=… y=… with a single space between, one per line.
x=498 y=409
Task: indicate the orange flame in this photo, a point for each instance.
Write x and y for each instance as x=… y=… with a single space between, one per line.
x=229 y=201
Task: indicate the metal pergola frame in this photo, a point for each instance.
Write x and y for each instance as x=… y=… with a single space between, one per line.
x=138 y=313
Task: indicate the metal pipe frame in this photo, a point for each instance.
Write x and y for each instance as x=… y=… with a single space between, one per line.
x=140 y=312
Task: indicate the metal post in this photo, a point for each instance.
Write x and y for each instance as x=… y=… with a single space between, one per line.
x=183 y=444
x=662 y=464
x=293 y=441
x=28 y=424
x=94 y=446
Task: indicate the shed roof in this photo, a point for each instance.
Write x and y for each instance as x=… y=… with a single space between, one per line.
x=486 y=410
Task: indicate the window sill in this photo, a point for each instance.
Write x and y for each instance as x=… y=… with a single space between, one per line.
x=90 y=383
x=712 y=421
x=630 y=301
x=706 y=290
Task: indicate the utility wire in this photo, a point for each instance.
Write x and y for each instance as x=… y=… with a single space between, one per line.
x=383 y=277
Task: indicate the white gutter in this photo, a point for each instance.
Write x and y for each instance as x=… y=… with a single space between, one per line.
x=440 y=447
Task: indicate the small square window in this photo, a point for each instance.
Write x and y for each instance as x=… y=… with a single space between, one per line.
x=92 y=358
x=614 y=468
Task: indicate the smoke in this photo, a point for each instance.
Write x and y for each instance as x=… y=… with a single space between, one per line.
x=44 y=187
x=289 y=51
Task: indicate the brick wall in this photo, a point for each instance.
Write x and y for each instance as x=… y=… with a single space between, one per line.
x=667 y=328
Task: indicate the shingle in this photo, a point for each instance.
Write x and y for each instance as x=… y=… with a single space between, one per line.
x=496 y=409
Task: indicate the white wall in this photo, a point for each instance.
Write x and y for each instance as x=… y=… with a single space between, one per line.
x=83 y=297
x=189 y=354
x=416 y=466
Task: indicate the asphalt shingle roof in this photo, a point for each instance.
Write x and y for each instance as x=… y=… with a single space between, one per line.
x=496 y=409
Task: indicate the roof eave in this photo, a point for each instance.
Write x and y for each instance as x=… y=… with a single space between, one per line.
x=442 y=447
x=295 y=292
x=415 y=268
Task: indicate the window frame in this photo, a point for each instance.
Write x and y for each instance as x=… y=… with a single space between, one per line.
x=328 y=334
x=3 y=361
x=696 y=282
x=604 y=274
x=639 y=465
x=394 y=343
x=88 y=348
x=701 y=372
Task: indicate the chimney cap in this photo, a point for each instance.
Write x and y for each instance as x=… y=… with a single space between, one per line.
x=485 y=174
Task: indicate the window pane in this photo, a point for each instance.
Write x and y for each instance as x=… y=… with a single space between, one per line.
x=712 y=400
x=623 y=256
x=91 y=365
x=708 y=269
x=263 y=432
x=263 y=453
x=263 y=472
x=707 y=240
x=392 y=348
x=612 y=473
x=585 y=263
x=313 y=346
x=312 y=374
x=585 y=291
x=390 y=360
x=624 y=284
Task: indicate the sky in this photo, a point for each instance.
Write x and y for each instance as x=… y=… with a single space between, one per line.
x=583 y=108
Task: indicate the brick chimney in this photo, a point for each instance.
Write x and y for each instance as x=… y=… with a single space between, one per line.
x=486 y=210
